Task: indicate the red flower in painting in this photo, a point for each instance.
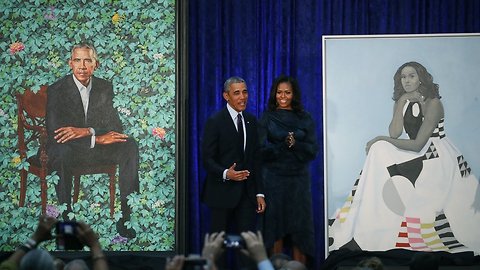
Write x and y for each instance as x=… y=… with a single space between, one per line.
x=159 y=132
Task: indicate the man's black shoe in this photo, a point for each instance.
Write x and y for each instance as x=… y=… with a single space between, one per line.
x=124 y=231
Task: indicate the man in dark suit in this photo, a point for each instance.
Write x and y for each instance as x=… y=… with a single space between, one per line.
x=232 y=190
x=84 y=128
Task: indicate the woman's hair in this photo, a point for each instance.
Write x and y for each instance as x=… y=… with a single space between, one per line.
x=296 y=100
x=37 y=259
x=427 y=87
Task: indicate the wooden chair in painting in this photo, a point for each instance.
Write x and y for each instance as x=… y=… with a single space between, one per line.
x=32 y=138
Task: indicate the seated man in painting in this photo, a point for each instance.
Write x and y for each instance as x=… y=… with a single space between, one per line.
x=84 y=129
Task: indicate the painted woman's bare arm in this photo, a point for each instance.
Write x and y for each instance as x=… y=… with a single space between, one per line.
x=396 y=125
x=433 y=114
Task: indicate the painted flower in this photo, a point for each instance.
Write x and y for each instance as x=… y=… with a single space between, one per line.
x=50 y=14
x=16 y=47
x=53 y=64
x=146 y=92
x=116 y=18
x=159 y=132
x=16 y=160
x=119 y=240
x=158 y=204
x=125 y=111
x=94 y=205
x=143 y=123
x=158 y=56
x=52 y=211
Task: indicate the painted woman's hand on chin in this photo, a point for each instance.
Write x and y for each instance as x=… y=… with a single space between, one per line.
x=414 y=96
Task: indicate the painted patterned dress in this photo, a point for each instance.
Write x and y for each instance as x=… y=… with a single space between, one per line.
x=425 y=201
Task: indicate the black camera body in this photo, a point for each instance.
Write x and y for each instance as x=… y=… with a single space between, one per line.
x=234 y=241
x=66 y=236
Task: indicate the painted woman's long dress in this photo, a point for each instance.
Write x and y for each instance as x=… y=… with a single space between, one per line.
x=424 y=201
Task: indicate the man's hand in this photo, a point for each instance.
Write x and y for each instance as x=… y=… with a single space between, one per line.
x=213 y=246
x=90 y=238
x=237 y=175
x=261 y=205
x=87 y=236
x=255 y=248
x=175 y=263
x=111 y=137
x=44 y=229
x=65 y=134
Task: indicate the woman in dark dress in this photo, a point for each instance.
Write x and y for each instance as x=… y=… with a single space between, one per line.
x=287 y=136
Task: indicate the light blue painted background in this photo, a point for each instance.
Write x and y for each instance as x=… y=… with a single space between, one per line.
x=359 y=86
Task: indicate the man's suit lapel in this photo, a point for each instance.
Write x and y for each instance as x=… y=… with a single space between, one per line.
x=74 y=97
x=228 y=122
x=232 y=131
x=94 y=98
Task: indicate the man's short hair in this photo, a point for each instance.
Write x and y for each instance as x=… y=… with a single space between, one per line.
x=230 y=81
x=85 y=45
x=37 y=259
x=76 y=264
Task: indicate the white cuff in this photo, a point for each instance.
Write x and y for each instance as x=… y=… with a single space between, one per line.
x=92 y=141
x=225 y=175
x=265 y=265
x=30 y=243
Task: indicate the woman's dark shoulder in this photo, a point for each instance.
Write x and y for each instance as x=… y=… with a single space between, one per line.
x=266 y=114
x=306 y=119
x=304 y=115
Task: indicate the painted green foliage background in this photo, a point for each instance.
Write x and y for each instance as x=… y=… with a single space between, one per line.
x=135 y=40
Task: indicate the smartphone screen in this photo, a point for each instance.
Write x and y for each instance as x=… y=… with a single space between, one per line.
x=233 y=241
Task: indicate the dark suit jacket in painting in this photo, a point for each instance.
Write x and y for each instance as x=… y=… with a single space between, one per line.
x=220 y=151
x=65 y=109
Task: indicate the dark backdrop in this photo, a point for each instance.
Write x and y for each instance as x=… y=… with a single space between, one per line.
x=259 y=40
